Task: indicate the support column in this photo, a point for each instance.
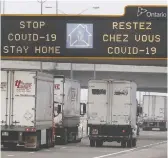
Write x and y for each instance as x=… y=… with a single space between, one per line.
x=94 y=72
x=41 y=66
x=71 y=72
x=139 y=97
x=42 y=1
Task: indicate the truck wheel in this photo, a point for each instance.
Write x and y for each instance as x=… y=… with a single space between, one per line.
x=123 y=144
x=64 y=140
x=49 y=139
x=38 y=143
x=74 y=138
x=79 y=140
x=99 y=143
x=37 y=146
x=134 y=142
x=92 y=143
x=11 y=146
x=129 y=143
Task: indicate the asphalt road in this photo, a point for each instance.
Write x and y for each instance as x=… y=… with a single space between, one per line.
x=151 y=144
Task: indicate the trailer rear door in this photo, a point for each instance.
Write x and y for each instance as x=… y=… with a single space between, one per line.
x=98 y=105
x=22 y=111
x=121 y=102
x=5 y=97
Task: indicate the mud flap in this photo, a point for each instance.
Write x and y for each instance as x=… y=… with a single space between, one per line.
x=31 y=142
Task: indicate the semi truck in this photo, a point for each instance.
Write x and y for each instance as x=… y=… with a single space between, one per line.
x=112 y=112
x=154 y=112
x=27 y=109
x=67 y=110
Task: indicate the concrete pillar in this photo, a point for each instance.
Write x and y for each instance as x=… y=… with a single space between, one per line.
x=71 y=71
x=139 y=97
x=41 y=66
x=94 y=72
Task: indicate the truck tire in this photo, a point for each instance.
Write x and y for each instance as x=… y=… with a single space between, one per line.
x=92 y=143
x=38 y=143
x=99 y=143
x=49 y=139
x=37 y=146
x=52 y=139
x=79 y=140
x=134 y=142
x=129 y=143
x=74 y=138
x=11 y=146
x=64 y=140
x=163 y=129
x=123 y=144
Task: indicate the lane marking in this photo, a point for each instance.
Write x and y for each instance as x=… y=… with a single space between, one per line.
x=143 y=149
x=125 y=151
x=152 y=134
x=31 y=152
x=11 y=155
x=63 y=147
x=47 y=150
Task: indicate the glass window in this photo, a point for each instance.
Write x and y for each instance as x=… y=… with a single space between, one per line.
x=98 y=91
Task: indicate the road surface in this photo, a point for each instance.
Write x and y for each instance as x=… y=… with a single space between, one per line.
x=151 y=144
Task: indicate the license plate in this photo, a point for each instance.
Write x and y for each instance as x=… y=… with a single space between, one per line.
x=157 y=129
x=5 y=133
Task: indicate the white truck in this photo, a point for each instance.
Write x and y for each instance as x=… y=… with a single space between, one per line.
x=112 y=112
x=27 y=109
x=154 y=112
x=67 y=110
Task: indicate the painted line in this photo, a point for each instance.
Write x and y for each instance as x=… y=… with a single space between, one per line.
x=10 y=155
x=125 y=151
x=143 y=149
x=47 y=150
x=152 y=133
x=63 y=147
x=31 y=152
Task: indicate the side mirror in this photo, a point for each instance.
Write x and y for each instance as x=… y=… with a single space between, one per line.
x=59 y=109
x=82 y=109
x=139 y=110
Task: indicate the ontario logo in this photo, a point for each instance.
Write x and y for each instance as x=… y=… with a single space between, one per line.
x=142 y=11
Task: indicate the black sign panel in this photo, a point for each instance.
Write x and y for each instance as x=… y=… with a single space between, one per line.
x=140 y=33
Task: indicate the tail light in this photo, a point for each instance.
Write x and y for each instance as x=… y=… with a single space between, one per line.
x=123 y=131
x=94 y=131
x=30 y=129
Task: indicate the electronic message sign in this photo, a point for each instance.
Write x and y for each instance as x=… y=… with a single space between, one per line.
x=141 y=32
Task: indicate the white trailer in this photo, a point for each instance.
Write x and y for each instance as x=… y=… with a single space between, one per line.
x=27 y=109
x=112 y=112
x=67 y=110
x=154 y=112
